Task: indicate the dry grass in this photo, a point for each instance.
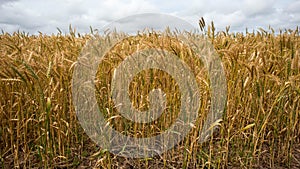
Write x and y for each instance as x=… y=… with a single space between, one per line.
x=260 y=126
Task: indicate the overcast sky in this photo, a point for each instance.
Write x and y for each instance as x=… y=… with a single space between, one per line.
x=48 y=15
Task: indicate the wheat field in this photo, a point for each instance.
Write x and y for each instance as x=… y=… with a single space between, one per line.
x=260 y=127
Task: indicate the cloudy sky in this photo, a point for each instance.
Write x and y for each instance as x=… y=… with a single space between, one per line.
x=48 y=15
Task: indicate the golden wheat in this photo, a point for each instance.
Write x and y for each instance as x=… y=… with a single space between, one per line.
x=260 y=126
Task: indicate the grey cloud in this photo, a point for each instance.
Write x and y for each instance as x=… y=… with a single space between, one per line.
x=47 y=15
x=258 y=7
x=240 y=14
x=6 y=1
x=154 y=21
x=35 y=16
x=293 y=7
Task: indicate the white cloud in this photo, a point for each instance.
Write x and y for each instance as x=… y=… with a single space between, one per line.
x=258 y=7
x=150 y=21
x=240 y=14
x=45 y=16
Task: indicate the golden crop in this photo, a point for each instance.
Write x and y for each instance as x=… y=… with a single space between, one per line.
x=260 y=127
